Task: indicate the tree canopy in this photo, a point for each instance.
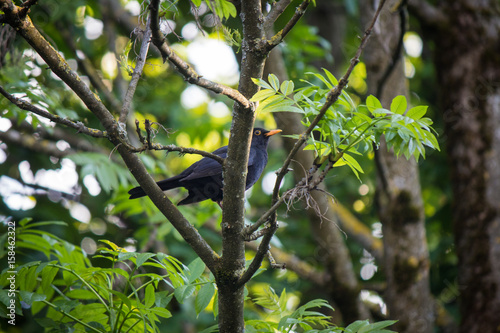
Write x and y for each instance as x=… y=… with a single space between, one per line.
x=355 y=212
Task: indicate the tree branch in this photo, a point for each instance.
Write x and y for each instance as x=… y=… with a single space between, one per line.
x=183 y=67
x=331 y=98
x=136 y=75
x=280 y=35
x=63 y=121
x=59 y=66
x=276 y=10
x=301 y=268
x=148 y=145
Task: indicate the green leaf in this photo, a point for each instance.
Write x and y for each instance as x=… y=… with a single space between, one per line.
x=204 y=297
x=142 y=258
x=333 y=80
x=372 y=103
x=269 y=101
x=262 y=94
x=39 y=224
x=261 y=83
x=30 y=297
x=325 y=81
x=417 y=112
x=161 y=312
x=25 y=221
x=183 y=292
x=81 y=294
x=66 y=305
x=122 y=297
x=48 y=275
x=196 y=269
x=283 y=106
x=287 y=87
x=377 y=327
x=399 y=104
x=228 y=9
x=273 y=80
x=149 y=296
x=356 y=326
x=352 y=163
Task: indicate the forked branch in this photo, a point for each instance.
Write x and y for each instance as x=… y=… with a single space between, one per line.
x=331 y=98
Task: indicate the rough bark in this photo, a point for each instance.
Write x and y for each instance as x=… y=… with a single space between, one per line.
x=400 y=206
x=467 y=44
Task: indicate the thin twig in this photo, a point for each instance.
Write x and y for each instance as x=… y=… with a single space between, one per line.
x=183 y=67
x=256 y=235
x=331 y=98
x=63 y=121
x=136 y=75
x=273 y=262
x=276 y=10
x=148 y=144
x=26 y=6
x=280 y=35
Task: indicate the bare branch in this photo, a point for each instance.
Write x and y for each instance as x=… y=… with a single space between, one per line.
x=149 y=145
x=293 y=263
x=184 y=68
x=63 y=121
x=29 y=3
x=136 y=75
x=276 y=10
x=256 y=235
x=280 y=35
x=331 y=98
x=273 y=262
x=259 y=256
x=60 y=67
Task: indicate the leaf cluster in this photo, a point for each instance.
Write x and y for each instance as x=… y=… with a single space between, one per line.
x=347 y=129
x=66 y=291
x=304 y=318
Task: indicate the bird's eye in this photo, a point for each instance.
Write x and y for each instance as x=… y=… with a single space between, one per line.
x=257 y=132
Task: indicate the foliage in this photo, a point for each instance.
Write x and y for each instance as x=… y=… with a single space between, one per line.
x=347 y=128
x=66 y=291
x=158 y=98
x=282 y=319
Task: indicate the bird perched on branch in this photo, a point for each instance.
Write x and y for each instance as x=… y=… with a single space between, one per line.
x=203 y=179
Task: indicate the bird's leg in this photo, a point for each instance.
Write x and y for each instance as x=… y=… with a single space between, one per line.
x=219 y=202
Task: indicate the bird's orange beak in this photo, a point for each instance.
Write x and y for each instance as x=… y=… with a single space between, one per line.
x=276 y=131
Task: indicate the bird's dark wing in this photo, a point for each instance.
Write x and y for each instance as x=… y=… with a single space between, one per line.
x=206 y=167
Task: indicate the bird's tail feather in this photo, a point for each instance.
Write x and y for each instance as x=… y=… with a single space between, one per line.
x=166 y=184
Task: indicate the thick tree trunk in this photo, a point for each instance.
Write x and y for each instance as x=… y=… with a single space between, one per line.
x=467 y=47
x=400 y=206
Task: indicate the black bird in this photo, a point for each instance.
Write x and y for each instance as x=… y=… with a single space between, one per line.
x=203 y=179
